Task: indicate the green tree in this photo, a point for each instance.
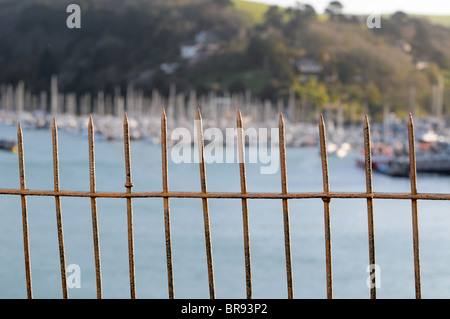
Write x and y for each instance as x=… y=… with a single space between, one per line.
x=334 y=9
x=309 y=11
x=273 y=17
x=399 y=17
x=421 y=41
x=313 y=91
x=271 y=54
x=224 y=3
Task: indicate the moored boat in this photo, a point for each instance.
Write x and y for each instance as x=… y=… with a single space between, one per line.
x=8 y=145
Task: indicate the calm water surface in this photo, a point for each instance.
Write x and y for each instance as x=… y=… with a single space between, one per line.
x=393 y=231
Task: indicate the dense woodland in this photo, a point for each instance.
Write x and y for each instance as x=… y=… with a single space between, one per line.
x=140 y=42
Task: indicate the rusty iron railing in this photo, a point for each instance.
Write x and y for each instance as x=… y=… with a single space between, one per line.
x=326 y=195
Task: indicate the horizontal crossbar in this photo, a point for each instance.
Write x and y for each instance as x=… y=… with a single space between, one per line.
x=227 y=195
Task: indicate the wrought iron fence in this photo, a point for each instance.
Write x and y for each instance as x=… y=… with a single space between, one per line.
x=326 y=195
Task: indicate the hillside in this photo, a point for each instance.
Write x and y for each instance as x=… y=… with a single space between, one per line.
x=256 y=12
x=443 y=20
x=226 y=46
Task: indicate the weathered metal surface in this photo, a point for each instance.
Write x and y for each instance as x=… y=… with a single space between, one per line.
x=128 y=186
x=326 y=206
x=230 y=195
x=326 y=195
x=201 y=156
x=284 y=189
x=165 y=181
x=369 y=189
x=26 y=240
x=59 y=224
x=95 y=232
x=241 y=153
x=415 y=221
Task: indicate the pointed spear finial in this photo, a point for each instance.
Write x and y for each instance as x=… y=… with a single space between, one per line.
x=366 y=121
x=281 y=119
x=239 y=119
x=321 y=120
x=90 y=125
x=322 y=135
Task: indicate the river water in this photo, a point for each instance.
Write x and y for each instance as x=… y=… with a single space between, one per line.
x=393 y=230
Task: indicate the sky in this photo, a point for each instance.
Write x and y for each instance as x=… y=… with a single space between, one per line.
x=438 y=7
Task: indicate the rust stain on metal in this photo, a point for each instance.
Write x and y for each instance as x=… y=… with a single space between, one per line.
x=229 y=195
x=128 y=186
x=95 y=232
x=369 y=189
x=26 y=240
x=326 y=195
x=165 y=181
x=326 y=203
x=59 y=223
x=241 y=152
x=201 y=156
x=415 y=221
x=284 y=189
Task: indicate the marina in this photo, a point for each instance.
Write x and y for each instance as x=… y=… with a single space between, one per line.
x=389 y=143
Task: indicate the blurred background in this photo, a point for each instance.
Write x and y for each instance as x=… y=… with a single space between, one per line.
x=342 y=59
x=325 y=53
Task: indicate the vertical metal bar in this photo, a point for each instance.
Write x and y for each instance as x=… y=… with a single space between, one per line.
x=287 y=235
x=326 y=203
x=415 y=222
x=95 y=232
x=369 y=190
x=128 y=186
x=62 y=255
x=165 y=181
x=241 y=152
x=26 y=244
x=201 y=156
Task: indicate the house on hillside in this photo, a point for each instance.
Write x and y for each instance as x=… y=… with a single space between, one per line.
x=205 y=37
x=189 y=50
x=421 y=64
x=403 y=45
x=169 y=68
x=309 y=67
x=204 y=44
